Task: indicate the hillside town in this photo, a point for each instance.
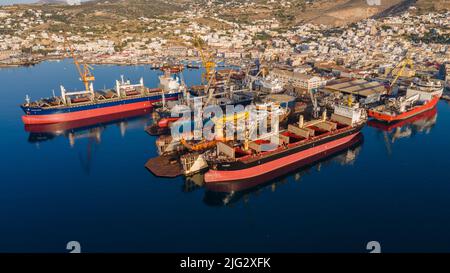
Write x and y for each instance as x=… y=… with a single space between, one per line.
x=364 y=48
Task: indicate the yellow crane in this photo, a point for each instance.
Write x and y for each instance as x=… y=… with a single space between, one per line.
x=350 y=100
x=83 y=69
x=207 y=59
x=401 y=68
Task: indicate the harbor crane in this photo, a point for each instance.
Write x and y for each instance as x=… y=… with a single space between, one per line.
x=207 y=58
x=84 y=69
x=251 y=79
x=401 y=68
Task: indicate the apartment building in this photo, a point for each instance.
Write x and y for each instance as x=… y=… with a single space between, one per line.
x=298 y=80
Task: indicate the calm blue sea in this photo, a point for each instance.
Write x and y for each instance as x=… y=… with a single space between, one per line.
x=91 y=186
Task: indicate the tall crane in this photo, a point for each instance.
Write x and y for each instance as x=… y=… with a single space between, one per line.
x=207 y=58
x=401 y=68
x=84 y=70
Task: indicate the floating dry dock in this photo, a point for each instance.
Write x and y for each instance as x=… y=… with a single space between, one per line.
x=165 y=166
x=446 y=96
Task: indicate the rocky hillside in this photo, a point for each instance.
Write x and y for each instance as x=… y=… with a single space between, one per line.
x=292 y=12
x=342 y=12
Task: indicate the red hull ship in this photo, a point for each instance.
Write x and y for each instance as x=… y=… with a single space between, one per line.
x=80 y=105
x=387 y=117
x=299 y=145
x=84 y=123
x=266 y=174
x=420 y=97
x=429 y=114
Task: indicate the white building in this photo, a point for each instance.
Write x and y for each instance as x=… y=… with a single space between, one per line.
x=298 y=80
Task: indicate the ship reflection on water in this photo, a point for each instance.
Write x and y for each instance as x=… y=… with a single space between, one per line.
x=422 y=123
x=224 y=194
x=227 y=194
x=87 y=128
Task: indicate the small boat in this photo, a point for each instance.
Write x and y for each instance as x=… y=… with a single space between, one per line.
x=173 y=69
x=193 y=66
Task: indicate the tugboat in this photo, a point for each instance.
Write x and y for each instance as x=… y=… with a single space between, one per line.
x=420 y=96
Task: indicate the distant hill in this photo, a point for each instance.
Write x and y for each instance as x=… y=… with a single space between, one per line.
x=433 y=5
x=396 y=9
x=342 y=12
x=61 y=2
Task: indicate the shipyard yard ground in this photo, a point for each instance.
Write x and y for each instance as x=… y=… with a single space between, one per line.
x=90 y=185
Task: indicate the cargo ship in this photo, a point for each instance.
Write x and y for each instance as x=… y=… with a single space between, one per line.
x=300 y=144
x=420 y=96
x=225 y=194
x=78 y=105
x=426 y=116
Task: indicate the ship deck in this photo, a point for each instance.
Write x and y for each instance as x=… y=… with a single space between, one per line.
x=99 y=101
x=298 y=143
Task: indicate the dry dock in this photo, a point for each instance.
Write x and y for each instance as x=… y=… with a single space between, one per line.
x=164 y=166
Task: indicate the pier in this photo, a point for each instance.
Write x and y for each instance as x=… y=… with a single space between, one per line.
x=165 y=166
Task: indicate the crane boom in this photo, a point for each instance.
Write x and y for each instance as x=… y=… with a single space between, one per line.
x=402 y=65
x=83 y=69
x=207 y=59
